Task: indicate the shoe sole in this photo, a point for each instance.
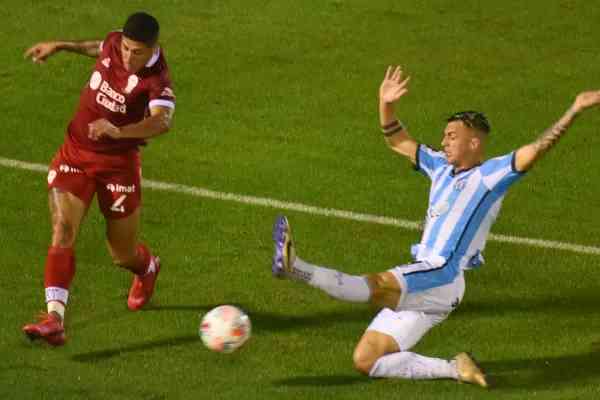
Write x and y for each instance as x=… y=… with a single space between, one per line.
x=279 y=238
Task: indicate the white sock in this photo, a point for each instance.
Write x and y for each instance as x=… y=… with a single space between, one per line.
x=341 y=286
x=57 y=307
x=405 y=364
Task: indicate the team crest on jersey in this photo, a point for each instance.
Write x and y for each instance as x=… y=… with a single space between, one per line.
x=460 y=185
x=106 y=62
x=132 y=82
x=439 y=209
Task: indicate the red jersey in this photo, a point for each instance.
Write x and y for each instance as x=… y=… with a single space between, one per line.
x=119 y=96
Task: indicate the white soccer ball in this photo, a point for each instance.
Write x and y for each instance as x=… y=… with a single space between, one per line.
x=225 y=329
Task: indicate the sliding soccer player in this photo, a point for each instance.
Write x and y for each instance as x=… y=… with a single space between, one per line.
x=465 y=198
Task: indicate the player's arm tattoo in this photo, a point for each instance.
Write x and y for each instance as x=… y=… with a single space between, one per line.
x=527 y=155
x=90 y=48
x=551 y=135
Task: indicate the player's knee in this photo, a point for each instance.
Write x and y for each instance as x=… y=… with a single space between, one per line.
x=384 y=291
x=366 y=354
x=380 y=283
x=63 y=233
x=363 y=360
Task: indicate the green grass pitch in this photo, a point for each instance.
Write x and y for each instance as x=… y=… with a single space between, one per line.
x=278 y=99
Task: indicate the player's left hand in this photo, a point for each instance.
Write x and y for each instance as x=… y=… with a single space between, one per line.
x=102 y=127
x=394 y=85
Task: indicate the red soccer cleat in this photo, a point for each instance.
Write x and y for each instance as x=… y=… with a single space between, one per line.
x=143 y=286
x=49 y=328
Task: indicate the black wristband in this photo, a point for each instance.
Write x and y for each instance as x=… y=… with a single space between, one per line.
x=392 y=131
x=390 y=125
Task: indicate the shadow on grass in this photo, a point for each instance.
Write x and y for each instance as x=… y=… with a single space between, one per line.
x=587 y=303
x=270 y=321
x=541 y=373
x=508 y=375
x=100 y=355
x=325 y=380
x=261 y=321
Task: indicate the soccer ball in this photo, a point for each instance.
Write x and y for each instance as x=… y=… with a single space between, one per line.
x=225 y=329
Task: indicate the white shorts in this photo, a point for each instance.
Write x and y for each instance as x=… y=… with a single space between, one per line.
x=406 y=327
x=418 y=312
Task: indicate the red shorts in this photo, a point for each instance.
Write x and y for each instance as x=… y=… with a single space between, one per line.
x=115 y=177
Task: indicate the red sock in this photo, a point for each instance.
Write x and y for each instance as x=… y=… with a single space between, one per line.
x=60 y=267
x=142 y=260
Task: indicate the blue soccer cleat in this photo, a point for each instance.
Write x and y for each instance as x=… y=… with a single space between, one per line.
x=285 y=255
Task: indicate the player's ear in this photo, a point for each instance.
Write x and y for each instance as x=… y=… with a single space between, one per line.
x=476 y=142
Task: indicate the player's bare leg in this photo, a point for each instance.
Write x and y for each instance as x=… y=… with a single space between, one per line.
x=66 y=211
x=122 y=239
x=372 y=346
x=128 y=253
x=385 y=290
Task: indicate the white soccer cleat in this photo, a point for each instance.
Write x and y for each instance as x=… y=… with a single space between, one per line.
x=469 y=371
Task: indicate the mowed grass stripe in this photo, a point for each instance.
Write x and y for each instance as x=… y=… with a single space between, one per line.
x=327 y=212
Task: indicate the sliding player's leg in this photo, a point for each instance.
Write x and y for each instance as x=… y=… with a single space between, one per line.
x=383 y=352
x=380 y=289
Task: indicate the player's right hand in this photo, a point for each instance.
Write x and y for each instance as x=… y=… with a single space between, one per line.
x=394 y=85
x=39 y=52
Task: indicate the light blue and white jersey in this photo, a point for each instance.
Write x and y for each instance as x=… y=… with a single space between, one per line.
x=462 y=209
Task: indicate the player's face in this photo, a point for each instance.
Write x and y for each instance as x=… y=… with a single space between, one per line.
x=461 y=144
x=135 y=54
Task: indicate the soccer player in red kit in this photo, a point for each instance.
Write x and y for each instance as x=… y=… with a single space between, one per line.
x=127 y=100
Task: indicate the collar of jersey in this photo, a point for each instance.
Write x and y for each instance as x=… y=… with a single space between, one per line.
x=154 y=58
x=453 y=173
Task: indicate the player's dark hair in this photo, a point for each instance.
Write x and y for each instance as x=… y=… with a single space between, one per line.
x=142 y=27
x=472 y=119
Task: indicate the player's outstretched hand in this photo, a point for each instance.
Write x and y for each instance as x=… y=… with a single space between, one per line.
x=394 y=85
x=40 y=52
x=102 y=127
x=586 y=100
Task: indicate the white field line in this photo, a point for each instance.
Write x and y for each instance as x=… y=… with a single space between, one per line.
x=327 y=212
